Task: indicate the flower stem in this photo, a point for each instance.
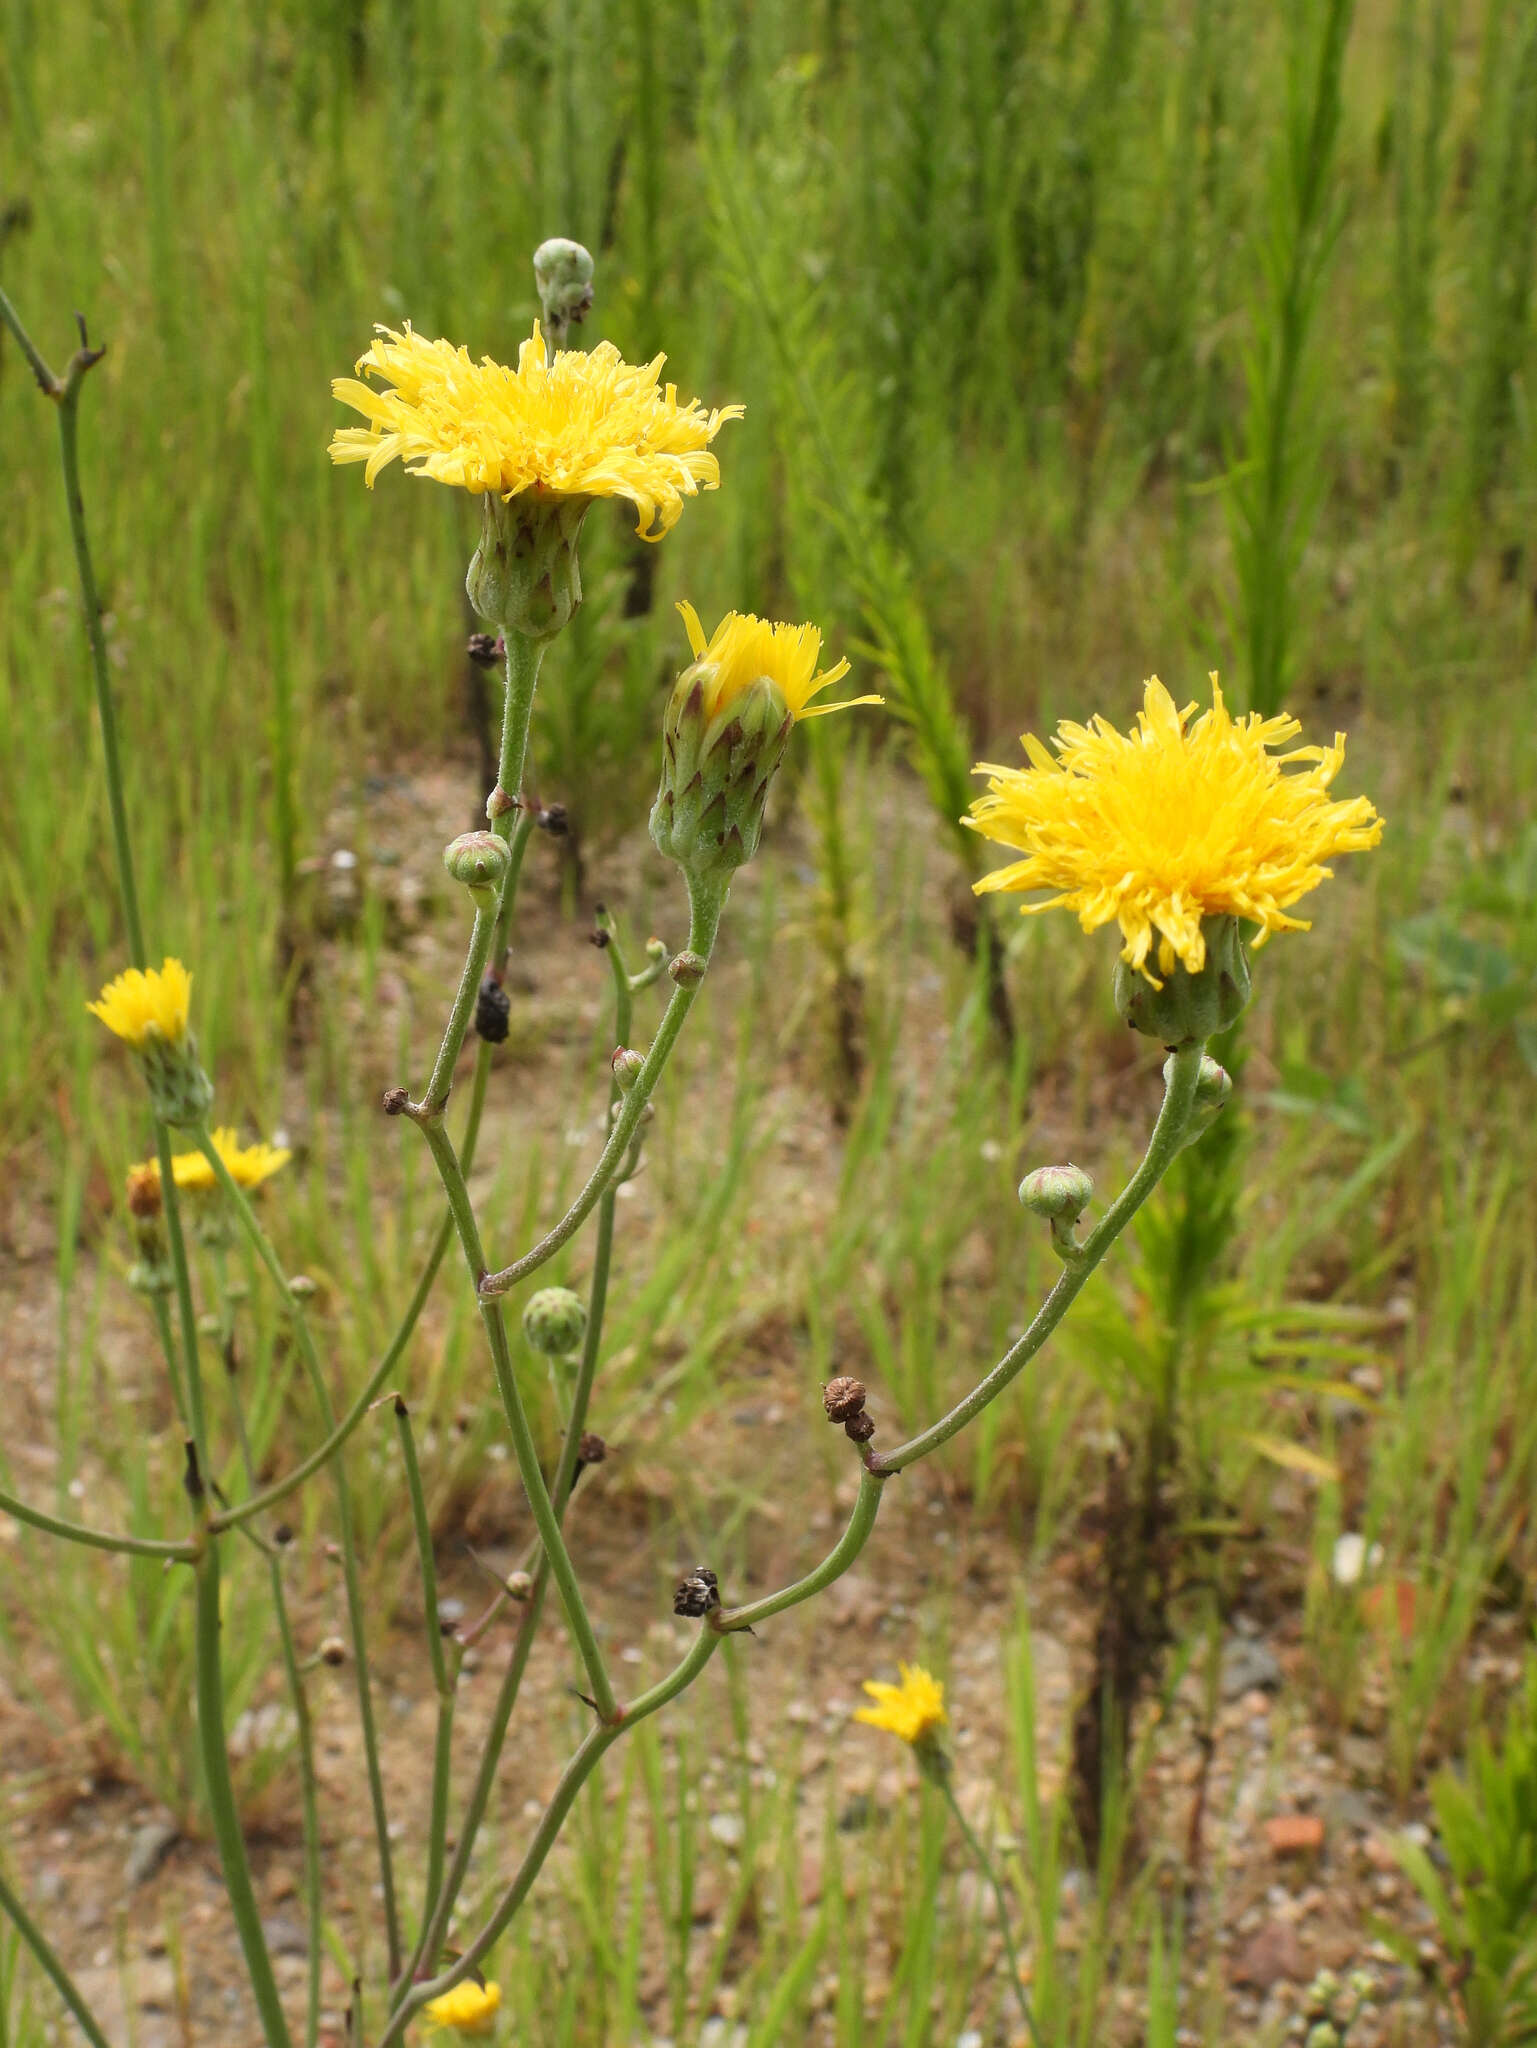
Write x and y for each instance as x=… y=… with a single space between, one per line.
x=262 y=1246
x=726 y=1620
x=703 y=924
x=1162 y=1148
x=96 y=1539
x=221 y=1802
x=575 y=1775
x=985 y=1865
x=63 y=1983
x=545 y=1519
x=442 y=1678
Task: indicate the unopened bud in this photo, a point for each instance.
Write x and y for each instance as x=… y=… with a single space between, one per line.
x=1213 y=1091
x=395 y=1101
x=563 y=274
x=479 y=860
x=333 y=1651
x=627 y=1065
x=283 y=1535
x=555 y=1322
x=302 y=1287
x=843 y=1398
x=1060 y=1193
x=687 y=969
x=519 y=1585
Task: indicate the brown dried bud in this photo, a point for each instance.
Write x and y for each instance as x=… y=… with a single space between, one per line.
x=591 y=1448
x=333 y=1651
x=144 y=1191
x=485 y=649
x=396 y=1101
x=859 y=1428
x=493 y=1012
x=283 y=1535
x=843 y=1398
x=698 y=1593
x=555 y=820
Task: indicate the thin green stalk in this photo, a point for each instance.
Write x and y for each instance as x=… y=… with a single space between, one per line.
x=1162 y=1149
x=95 y=1539
x=63 y=1983
x=435 y=1923
x=167 y=1338
x=181 y=1269
x=727 y=1620
x=442 y=1678
x=985 y=1865
x=279 y=1490
x=545 y=1519
x=298 y=1693
x=703 y=924
x=357 y=1628
x=221 y=1802
x=507 y=814
x=573 y=1778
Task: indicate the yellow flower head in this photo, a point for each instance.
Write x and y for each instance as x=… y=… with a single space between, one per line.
x=743 y=648
x=1172 y=823
x=587 y=425
x=140 y=1006
x=467 y=2009
x=249 y=1166
x=913 y=1709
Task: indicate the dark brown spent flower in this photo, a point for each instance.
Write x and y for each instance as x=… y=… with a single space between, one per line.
x=843 y=1398
x=283 y=1535
x=553 y=818
x=698 y=1593
x=591 y=1448
x=859 y=1428
x=493 y=1012
x=485 y=649
x=144 y=1190
x=396 y=1101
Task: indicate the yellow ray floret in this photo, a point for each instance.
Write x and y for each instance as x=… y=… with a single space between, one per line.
x=913 y=1709
x=587 y=425
x=1182 y=819
x=248 y=1165
x=743 y=648
x=467 y=2009
x=141 y=1005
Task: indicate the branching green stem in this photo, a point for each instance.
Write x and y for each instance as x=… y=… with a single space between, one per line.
x=1165 y=1143
x=96 y=1539
x=703 y=924
x=63 y=1983
x=573 y=1778
x=357 y=1628
x=727 y=1620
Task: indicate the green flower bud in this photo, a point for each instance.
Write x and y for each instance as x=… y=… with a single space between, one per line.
x=478 y=860
x=563 y=280
x=1213 y=1091
x=1190 y=1006
x=525 y=577
x=1060 y=1193
x=708 y=814
x=626 y=1064
x=555 y=1322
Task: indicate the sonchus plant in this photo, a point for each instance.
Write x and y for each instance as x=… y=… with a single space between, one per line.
x=1192 y=833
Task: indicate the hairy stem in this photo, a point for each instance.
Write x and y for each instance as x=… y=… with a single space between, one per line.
x=1163 y=1147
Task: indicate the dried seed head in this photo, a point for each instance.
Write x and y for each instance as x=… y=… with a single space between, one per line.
x=282 y=1535
x=843 y=1398
x=591 y=1448
x=859 y=1428
x=485 y=649
x=697 y=1594
x=396 y=1101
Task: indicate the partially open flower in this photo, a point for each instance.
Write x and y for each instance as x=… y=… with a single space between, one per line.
x=727 y=725
x=469 y=2008
x=248 y=1166
x=913 y=1710
x=1181 y=831
x=149 y=1010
